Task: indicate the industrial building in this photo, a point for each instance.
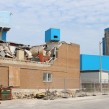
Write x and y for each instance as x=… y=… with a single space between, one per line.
x=91 y=68
x=105 y=41
x=95 y=68
x=54 y=65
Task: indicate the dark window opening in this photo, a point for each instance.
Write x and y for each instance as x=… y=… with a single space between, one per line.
x=55 y=36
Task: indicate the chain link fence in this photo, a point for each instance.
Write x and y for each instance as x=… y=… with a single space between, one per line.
x=95 y=87
x=79 y=88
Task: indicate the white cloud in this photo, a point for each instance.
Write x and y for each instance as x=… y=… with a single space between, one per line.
x=80 y=21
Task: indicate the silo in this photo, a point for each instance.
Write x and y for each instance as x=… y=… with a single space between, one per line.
x=106 y=42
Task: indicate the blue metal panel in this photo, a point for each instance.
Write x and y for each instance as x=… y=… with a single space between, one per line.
x=52 y=35
x=105 y=63
x=92 y=62
x=55 y=34
x=3 y=36
x=5 y=19
x=48 y=35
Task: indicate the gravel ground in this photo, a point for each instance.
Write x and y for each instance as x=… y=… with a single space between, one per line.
x=90 y=102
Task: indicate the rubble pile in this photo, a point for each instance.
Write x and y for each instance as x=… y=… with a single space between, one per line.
x=42 y=53
x=80 y=93
x=11 y=50
x=47 y=95
x=23 y=95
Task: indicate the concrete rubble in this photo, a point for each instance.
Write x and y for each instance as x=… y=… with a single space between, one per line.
x=42 y=53
x=51 y=95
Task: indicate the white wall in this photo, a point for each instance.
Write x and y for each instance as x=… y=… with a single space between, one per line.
x=89 y=77
x=104 y=76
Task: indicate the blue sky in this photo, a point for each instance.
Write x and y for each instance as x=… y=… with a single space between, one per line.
x=80 y=21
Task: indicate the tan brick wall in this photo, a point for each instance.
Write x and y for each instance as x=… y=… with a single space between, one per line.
x=4 y=75
x=31 y=78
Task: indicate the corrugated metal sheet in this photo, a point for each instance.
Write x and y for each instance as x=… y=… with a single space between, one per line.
x=14 y=76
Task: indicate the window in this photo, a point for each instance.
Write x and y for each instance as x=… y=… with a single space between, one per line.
x=47 y=77
x=55 y=36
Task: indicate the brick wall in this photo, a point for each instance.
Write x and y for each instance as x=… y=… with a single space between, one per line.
x=4 y=75
x=65 y=71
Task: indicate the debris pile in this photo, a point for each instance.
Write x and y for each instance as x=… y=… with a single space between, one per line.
x=81 y=93
x=23 y=95
x=47 y=95
x=50 y=95
x=42 y=53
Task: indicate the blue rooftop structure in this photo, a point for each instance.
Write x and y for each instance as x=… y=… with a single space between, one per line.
x=52 y=34
x=92 y=62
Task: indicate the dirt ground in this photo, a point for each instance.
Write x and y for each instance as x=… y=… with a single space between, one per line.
x=89 y=102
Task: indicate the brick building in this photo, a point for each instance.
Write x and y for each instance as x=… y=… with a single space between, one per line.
x=63 y=71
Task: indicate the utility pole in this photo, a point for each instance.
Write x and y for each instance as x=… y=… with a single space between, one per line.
x=100 y=55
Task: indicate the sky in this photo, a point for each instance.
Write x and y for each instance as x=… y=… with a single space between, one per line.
x=80 y=21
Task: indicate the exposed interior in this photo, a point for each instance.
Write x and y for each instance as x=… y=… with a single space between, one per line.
x=42 y=53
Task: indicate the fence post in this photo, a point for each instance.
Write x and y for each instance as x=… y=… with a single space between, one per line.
x=94 y=89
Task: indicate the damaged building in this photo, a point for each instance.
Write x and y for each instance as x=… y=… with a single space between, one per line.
x=54 y=65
